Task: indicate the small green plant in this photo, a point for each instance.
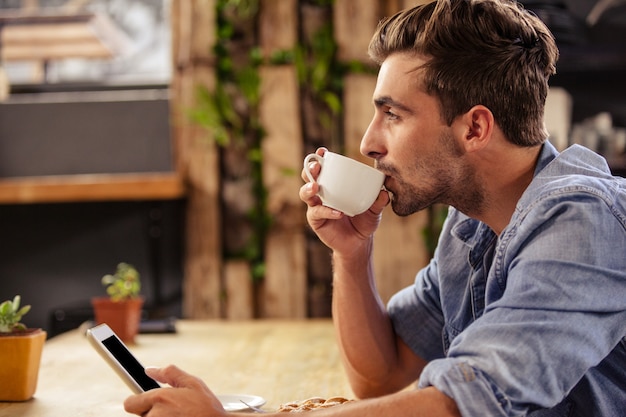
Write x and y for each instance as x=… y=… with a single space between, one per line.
x=123 y=284
x=11 y=314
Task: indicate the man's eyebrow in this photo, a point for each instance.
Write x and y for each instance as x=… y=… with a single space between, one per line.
x=388 y=101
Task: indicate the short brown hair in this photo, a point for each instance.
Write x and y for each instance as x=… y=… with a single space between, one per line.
x=489 y=52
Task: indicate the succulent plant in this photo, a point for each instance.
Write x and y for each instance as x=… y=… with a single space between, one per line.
x=123 y=284
x=11 y=314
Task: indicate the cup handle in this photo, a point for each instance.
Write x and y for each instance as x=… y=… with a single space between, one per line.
x=308 y=159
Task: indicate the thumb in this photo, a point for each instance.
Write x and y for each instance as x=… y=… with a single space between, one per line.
x=381 y=202
x=173 y=376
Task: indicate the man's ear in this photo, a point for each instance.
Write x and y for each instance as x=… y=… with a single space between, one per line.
x=477 y=125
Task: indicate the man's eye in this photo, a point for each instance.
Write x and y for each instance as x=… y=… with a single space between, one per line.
x=391 y=115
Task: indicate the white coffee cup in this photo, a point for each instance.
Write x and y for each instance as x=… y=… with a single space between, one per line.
x=345 y=184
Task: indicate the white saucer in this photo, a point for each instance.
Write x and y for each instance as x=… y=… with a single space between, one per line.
x=234 y=402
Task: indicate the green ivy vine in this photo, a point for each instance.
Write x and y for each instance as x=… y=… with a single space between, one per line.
x=231 y=110
x=231 y=113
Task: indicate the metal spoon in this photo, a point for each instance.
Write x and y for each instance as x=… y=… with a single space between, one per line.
x=253 y=408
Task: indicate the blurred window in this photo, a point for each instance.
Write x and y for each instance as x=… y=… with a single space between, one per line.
x=108 y=42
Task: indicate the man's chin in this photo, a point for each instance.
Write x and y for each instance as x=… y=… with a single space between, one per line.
x=400 y=209
x=403 y=210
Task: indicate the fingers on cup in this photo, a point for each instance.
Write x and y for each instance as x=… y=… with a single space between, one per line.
x=308 y=194
x=311 y=172
x=312 y=166
x=318 y=211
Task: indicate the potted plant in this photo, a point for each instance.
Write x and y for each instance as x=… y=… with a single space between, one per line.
x=121 y=309
x=20 y=350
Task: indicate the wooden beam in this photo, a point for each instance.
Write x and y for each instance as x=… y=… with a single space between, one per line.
x=239 y=290
x=197 y=157
x=285 y=257
x=278 y=29
x=91 y=187
x=354 y=22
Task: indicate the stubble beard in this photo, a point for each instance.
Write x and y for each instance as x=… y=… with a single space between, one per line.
x=468 y=198
x=451 y=181
x=407 y=199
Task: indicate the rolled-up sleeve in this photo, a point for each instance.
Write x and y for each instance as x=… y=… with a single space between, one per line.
x=473 y=391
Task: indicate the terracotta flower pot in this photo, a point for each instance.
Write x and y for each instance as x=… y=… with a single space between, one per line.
x=21 y=356
x=122 y=316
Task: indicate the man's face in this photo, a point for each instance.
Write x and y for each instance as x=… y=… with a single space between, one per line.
x=410 y=142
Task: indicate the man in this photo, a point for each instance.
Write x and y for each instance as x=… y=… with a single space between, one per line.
x=522 y=310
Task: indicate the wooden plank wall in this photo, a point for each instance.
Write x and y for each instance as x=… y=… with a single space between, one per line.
x=213 y=286
x=282 y=151
x=197 y=157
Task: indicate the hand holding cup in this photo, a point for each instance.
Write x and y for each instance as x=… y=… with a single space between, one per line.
x=345 y=184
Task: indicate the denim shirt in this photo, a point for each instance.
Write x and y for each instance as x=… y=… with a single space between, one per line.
x=531 y=322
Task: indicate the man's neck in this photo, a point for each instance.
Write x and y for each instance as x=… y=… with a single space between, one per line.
x=505 y=175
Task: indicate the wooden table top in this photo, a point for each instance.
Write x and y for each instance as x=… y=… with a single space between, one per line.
x=281 y=361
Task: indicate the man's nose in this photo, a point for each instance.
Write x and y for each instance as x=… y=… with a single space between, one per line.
x=371 y=143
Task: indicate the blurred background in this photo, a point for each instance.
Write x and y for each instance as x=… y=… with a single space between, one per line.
x=170 y=133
